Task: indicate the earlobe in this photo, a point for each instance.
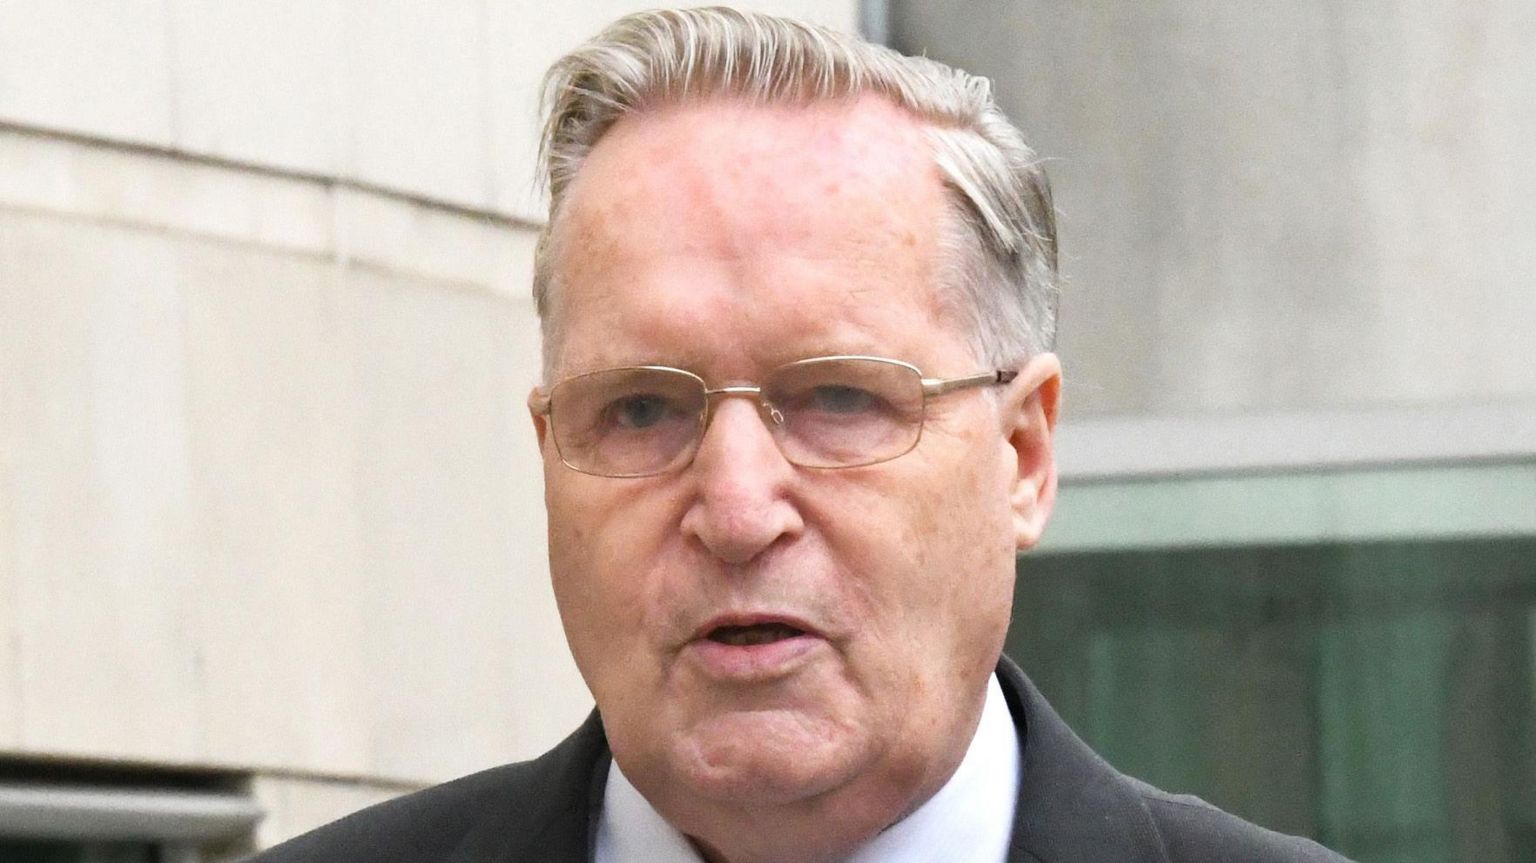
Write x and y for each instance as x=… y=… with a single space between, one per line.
x=1032 y=506
x=1032 y=412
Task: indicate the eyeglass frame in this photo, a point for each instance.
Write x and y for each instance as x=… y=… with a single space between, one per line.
x=541 y=403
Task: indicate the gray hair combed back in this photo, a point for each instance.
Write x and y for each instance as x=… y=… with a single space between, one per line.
x=1000 y=247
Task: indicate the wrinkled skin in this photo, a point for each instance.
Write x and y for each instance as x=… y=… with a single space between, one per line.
x=728 y=239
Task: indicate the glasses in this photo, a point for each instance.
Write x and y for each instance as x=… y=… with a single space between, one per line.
x=825 y=412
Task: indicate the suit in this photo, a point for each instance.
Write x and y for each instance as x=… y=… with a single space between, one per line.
x=1072 y=808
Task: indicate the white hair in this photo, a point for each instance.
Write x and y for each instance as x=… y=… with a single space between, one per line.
x=1000 y=242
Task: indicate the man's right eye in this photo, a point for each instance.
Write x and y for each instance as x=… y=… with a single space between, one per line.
x=638 y=412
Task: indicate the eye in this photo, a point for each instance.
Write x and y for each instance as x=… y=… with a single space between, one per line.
x=639 y=411
x=837 y=399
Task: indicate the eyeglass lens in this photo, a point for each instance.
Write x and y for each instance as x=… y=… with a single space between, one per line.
x=841 y=412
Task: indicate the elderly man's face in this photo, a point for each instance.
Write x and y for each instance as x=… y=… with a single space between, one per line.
x=728 y=240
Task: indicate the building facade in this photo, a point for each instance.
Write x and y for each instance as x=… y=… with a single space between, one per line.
x=271 y=522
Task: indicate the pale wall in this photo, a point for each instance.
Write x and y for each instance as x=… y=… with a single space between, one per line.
x=269 y=498
x=1276 y=207
x=273 y=498
x=435 y=98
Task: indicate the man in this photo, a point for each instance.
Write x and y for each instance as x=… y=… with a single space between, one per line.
x=798 y=301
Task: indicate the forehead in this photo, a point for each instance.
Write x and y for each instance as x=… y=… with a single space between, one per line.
x=811 y=228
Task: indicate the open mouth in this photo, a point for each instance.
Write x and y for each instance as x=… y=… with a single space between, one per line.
x=753 y=634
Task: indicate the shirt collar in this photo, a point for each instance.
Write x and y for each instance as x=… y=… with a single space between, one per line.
x=973 y=810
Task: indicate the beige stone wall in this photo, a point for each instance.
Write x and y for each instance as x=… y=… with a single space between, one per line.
x=269 y=499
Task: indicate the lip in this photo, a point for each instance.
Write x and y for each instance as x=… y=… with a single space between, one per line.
x=752 y=662
x=753 y=618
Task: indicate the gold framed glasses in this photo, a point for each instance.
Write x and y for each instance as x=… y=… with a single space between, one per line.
x=823 y=412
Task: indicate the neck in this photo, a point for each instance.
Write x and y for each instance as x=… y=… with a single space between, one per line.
x=753 y=825
x=823 y=830
x=825 y=827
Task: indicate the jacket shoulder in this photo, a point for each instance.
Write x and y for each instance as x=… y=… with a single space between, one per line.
x=490 y=815
x=1194 y=830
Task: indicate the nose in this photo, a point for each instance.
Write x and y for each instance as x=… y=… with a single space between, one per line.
x=741 y=506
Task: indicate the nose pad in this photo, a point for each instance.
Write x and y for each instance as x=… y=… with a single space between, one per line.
x=772 y=413
x=736 y=431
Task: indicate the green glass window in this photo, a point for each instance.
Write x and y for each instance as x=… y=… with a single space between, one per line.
x=1377 y=696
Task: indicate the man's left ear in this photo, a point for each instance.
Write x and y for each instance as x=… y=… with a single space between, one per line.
x=536 y=399
x=1030 y=411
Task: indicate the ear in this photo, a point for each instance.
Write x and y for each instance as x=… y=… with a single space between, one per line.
x=536 y=401
x=1031 y=409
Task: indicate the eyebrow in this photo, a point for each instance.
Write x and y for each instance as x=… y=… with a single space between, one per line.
x=689 y=358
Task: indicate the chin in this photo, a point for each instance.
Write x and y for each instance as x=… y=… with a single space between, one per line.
x=766 y=757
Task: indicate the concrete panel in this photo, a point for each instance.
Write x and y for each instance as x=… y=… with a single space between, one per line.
x=1290 y=206
x=280 y=575
x=85 y=67
x=1190 y=248
x=107 y=650
x=240 y=66
x=418 y=99
x=434 y=411
x=294 y=805
x=515 y=60
x=285 y=214
x=449 y=247
x=1446 y=98
x=436 y=101
x=1122 y=448
x=100 y=182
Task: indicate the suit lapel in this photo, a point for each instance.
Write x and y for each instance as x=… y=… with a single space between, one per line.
x=550 y=814
x=1073 y=807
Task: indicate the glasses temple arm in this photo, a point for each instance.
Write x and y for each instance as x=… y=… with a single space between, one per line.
x=940 y=386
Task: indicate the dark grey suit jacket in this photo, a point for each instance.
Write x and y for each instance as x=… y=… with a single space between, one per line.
x=1072 y=808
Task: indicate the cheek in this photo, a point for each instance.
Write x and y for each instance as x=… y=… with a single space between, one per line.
x=592 y=558
x=956 y=559
x=618 y=569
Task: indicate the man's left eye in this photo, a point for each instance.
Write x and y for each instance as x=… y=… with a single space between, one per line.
x=841 y=399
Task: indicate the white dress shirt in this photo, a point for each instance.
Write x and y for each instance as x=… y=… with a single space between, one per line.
x=970 y=819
